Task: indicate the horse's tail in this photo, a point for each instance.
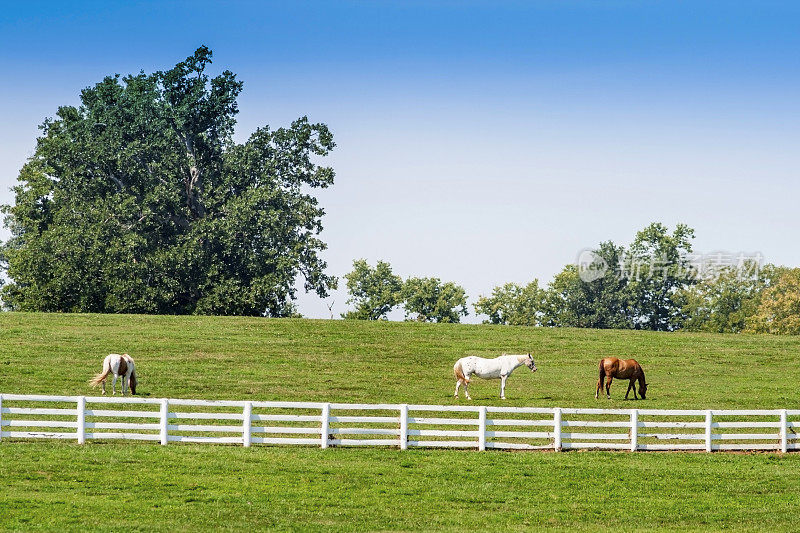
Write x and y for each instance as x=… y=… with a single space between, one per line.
x=459 y=372
x=602 y=370
x=132 y=381
x=99 y=378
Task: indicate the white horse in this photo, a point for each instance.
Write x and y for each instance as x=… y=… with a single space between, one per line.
x=119 y=365
x=499 y=367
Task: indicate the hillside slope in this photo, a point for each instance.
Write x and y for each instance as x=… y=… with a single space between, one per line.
x=354 y=361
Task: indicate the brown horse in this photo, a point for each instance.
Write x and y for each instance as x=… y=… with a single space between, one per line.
x=611 y=367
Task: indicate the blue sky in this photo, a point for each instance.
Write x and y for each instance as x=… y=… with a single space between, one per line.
x=479 y=142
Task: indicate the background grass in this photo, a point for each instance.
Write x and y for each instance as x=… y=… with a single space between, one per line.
x=63 y=486
x=355 y=361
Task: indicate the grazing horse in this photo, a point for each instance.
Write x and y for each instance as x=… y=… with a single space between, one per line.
x=499 y=367
x=611 y=367
x=119 y=365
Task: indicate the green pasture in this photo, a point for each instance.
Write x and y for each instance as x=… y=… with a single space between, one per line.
x=355 y=361
x=143 y=486
x=115 y=487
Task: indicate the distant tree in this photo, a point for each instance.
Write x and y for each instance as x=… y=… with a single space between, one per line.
x=779 y=308
x=604 y=301
x=723 y=302
x=138 y=200
x=658 y=270
x=430 y=300
x=374 y=291
x=513 y=305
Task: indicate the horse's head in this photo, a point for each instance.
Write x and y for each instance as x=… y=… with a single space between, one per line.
x=132 y=382
x=643 y=390
x=530 y=363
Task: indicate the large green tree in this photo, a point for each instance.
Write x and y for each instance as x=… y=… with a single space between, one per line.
x=779 y=304
x=374 y=291
x=139 y=200
x=726 y=299
x=591 y=298
x=658 y=269
x=430 y=300
x=513 y=305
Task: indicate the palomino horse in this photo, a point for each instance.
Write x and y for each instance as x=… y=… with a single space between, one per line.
x=119 y=365
x=611 y=367
x=499 y=367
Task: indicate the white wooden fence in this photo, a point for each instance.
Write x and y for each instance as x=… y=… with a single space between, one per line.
x=82 y=418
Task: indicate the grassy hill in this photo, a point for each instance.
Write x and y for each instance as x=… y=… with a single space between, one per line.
x=354 y=361
x=100 y=486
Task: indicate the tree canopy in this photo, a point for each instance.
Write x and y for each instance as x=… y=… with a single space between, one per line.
x=430 y=300
x=658 y=269
x=514 y=305
x=603 y=302
x=139 y=200
x=723 y=301
x=374 y=291
x=779 y=308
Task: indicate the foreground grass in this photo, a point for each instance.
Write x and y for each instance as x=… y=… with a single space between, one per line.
x=63 y=486
x=145 y=487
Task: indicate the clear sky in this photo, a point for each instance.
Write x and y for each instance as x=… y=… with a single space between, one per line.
x=478 y=142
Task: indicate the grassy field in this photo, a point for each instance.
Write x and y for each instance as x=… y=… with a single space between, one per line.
x=62 y=486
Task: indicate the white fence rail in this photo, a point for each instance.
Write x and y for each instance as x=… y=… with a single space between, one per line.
x=81 y=418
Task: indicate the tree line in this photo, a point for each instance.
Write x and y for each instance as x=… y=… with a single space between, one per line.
x=138 y=200
x=650 y=285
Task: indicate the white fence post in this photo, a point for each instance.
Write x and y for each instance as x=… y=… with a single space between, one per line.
x=708 y=431
x=634 y=429
x=164 y=420
x=557 y=429
x=81 y=419
x=326 y=424
x=784 y=437
x=482 y=428
x=404 y=427
x=247 y=416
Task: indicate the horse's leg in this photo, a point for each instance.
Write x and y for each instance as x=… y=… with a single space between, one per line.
x=633 y=386
x=114 y=386
x=103 y=383
x=600 y=381
x=458 y=385
x=123 y=385
x=630 y=384
x=609 y=379
x=503 y=387
x=466 y=388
